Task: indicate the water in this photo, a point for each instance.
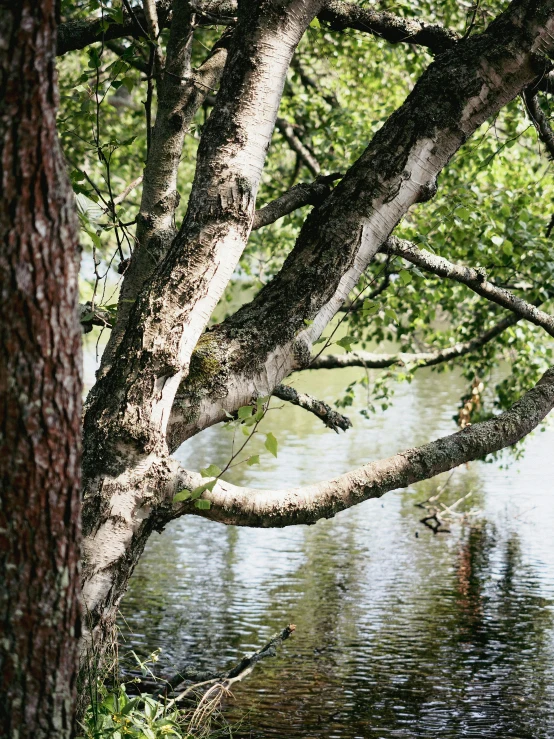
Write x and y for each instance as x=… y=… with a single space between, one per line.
x=400 y=632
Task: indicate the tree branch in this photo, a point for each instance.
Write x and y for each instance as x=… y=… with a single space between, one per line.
x=331 y=418
x=313 y=193
x=307 y=505
x=393 y=28
x=97 y=317
x=74 y=35
x=539 y=120
x=475 y=279
x=369 y=360
x=287 y=131
x=181 y=92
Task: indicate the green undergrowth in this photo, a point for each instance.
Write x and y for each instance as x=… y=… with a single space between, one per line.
x=116 y=710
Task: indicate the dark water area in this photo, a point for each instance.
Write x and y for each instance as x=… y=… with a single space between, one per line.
x=400 y=632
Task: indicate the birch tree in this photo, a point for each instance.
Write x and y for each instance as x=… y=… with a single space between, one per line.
x=169 y=372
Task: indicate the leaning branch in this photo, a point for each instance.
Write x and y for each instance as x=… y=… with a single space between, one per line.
x=240 y=506
x=288 y=133
x=332 y=419
x=339 y=240
x=313 y=193
x=391 y=27
x=475 y=279
x=74 y=35
x=540 y=120
x=368 y=360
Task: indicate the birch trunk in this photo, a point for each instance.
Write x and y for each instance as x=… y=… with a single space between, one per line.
x=126 y=460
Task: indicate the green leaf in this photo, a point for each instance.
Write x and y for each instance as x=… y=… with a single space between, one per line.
x=202 y=504
x=127 y=142
x=254 y=459
x=391 y=314
x=197 y=492
x=346 y=342
x=182 y=495
x=130 y=705
x=508 y=248
x=404 y=276
x=211 y=471
x=320 y=340
x=308 y=322
x=497 y=240
x=129 y=83
x=271 y=444
x=245 y=411
x=261 y=402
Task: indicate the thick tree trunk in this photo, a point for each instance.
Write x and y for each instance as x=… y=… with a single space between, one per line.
x=40 y=390
x=126 y=461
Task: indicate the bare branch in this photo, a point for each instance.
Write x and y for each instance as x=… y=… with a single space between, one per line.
x=74 y=35
x=190 y=678
x=393 y=28
x=369 y=360
x=539 y=120
x=303 y=194
x=475 y=279
x=275 y=508
x=131 y=186
x=287 y=130
x=332 y=419
x=89 y=317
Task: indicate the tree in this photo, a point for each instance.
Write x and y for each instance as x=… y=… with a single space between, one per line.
x=40 y=389
x=168 y=373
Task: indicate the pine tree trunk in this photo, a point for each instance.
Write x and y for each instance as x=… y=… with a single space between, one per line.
x=40 y=389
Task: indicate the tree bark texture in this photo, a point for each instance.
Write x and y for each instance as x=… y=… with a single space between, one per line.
x=40 y=390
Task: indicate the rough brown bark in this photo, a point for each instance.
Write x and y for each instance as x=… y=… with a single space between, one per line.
x=40 y=390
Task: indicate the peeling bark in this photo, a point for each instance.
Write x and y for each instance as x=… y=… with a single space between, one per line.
x=40 y=390
x=168 y=379
x=181 y=92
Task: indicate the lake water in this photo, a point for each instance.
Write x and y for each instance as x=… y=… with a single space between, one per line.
x=400 y=632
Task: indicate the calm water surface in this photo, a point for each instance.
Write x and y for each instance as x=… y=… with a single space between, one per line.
x=400 y=633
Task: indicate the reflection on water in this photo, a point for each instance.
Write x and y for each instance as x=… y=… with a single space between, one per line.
x=400 y=633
